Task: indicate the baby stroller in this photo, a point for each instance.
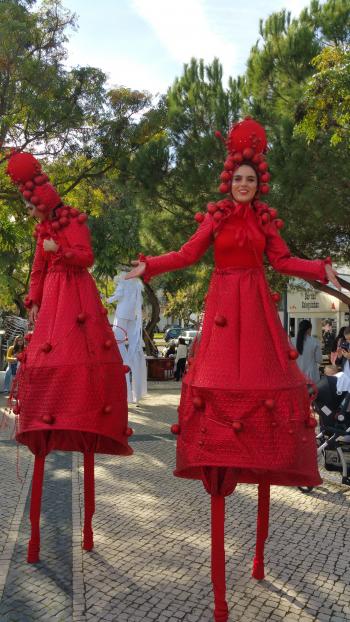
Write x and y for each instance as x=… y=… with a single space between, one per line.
x=333 y=439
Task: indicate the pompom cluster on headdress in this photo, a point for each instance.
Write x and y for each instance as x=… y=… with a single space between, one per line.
x=25 y=171
x=246 y=144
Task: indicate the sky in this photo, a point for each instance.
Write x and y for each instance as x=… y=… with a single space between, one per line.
x=143 y=44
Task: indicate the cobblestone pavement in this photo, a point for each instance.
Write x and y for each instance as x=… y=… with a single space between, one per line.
x=152 y=548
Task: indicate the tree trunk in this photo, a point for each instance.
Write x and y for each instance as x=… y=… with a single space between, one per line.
x=151 y=348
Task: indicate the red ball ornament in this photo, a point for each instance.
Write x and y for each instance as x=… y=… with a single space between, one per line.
x=237 y=426
x=272 y=212
x=46 y=347
x=199 y=217
x=29 y=185
x=217 y=215
x=108 y=344
x=212 y=208
x=81 y=318
x=107 y=409
x=39 y=180
x=276 y=297
x=129 y=432
x=265 y=218
x=237 y=157
x=68 y=255
x=41 y=207
x=270 y=404
x=225 y=176
x=293 y=354
x=279 y=223
x=264 y=189
x=198 y=402
x=82 y=218
x=257 y=158
x=220 y=320
x=63 y=220
x=175 y=428
x=263 y=166
x=55 y=225
x=311 y=423
x=126 y=369
x=27 y=195
x=248 y=153
x=265 y=177
x=73 y=212
x=224 y=188
x=48 y=419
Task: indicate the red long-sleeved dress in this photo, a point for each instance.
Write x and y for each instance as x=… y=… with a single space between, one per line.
x=244 y=413
x=71 y=389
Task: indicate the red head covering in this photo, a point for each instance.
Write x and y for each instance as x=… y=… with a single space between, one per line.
x=246 y=144
x=25 y=171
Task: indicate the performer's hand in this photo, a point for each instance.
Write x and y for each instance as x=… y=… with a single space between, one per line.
x=332 y=276
x=50 y=246
x=33 y=313
x=140 y=267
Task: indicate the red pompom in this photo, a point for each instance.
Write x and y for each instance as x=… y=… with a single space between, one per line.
x=34 y=200
x=293 y=354
x=270 y=404
x=279 y=223
x=237 y=426
x=108 y=344
x=81 y=318
x=82 y=218
x=263 y=166
x=276 y=297
x=68 y=255
x=224 y=188
x=198 y=402
x=229 y=164
x=27 y=195
x=265 y=177
x=107 y=409
x=199 y=217
x=175 y=428
x=272 y=212
x=40 y=179
x=212 y=208
x=264 y=189
x=63 y=220
x=48 y=419
x=248 y=153
x=220 y=320
x=74 y=212
x=22 y=167
x=41 y=207
x=225 y=176
x=265 y=218
x=257 y=158
x=247 y=133
x=217 y=215
x=126 y=369
x=29 y=185
x=129 y=432
x=55 y=225
x=237 y=157
x=46 y=347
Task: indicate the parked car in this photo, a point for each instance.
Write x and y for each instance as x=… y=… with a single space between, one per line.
x=188 y=335
x=172 y=333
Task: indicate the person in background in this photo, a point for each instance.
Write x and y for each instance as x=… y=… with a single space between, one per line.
x=171 y=350
x=12 y=363
x=309 y=349
x=336 y=343
x=180 y=359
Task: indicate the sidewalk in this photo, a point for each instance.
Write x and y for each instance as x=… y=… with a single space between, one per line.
x=152 y=540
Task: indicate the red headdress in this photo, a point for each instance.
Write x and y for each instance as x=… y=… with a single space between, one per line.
x=25 y=171
x=246 y=144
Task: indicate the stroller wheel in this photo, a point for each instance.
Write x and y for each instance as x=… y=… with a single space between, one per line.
x=305 y=489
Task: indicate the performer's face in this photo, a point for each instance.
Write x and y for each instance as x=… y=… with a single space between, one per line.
x=33 y=212
x=244 y=184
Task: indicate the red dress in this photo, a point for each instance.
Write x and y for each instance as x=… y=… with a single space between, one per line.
x=71 y=389
x=244 y=403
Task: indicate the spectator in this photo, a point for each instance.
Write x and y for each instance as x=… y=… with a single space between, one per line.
x=336 y=343
x=309 y=349
x=171 y=350
x=12 y=363
x=180 y=359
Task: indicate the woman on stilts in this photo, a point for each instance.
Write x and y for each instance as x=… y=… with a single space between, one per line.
x=236 y=426
x=70 y=392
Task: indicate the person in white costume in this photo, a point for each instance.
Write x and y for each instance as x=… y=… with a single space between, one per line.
x=128 y=320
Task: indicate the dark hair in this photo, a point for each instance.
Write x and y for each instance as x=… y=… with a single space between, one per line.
x=304 y=326
x=182 y=341
x=251 y=165
x=339 y=337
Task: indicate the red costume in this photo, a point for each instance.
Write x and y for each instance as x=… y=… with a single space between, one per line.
x=70 y=391
x=244 y=413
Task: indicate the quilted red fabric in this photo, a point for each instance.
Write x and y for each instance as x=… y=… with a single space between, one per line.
x=244 y=413
x=71 y=389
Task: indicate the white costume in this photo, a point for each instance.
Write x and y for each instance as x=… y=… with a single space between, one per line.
x=128 y=319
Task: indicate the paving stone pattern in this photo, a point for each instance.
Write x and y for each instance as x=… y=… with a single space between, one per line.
x=152 y=543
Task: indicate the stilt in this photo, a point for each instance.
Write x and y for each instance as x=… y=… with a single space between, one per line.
x=89 y=500
x=262 y=530
x=35 y=506
x=218 y=557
